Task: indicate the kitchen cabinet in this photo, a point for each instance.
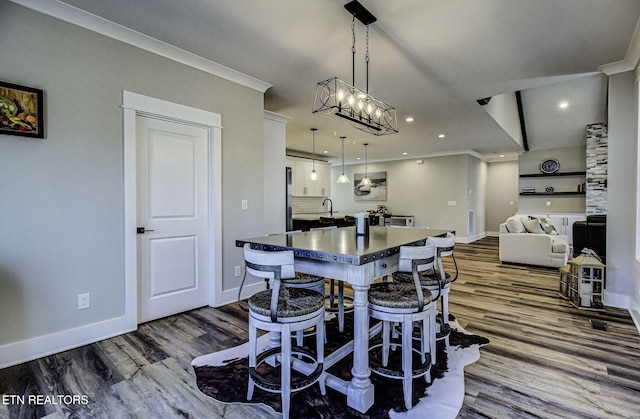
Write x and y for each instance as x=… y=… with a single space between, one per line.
x=301 y=184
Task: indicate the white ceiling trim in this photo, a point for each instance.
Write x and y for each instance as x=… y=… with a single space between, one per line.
x=631 y=58
x=112 y=30
x=276 y=117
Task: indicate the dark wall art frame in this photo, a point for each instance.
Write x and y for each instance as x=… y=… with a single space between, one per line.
x=21 y=110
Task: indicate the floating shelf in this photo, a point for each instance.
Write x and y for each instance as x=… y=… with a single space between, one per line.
x=554 y=174
x=551 y=193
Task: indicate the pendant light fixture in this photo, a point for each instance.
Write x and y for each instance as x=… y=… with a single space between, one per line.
x=341 y=101
x=365 y=180
x=343 y=178
x=313 y=175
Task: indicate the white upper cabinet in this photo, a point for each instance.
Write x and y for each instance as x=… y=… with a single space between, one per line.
x=302 y=185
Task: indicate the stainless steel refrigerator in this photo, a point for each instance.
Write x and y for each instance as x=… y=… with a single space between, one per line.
x=289 y=198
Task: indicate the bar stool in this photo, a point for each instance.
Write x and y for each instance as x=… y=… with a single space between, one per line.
x=438 y=281
x=405 y=303
x=283 y=311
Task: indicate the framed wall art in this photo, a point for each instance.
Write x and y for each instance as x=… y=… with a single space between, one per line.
x=21 y=110
x=377 y=191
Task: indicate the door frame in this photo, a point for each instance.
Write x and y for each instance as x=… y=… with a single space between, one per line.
x=134 y=104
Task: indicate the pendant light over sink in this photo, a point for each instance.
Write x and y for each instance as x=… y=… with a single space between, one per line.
x=313 y=175
x=365 y=180
x=343 y=178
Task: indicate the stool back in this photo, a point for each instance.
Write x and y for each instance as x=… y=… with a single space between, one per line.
x=444 y=247
x=270 y=265
x=426 y=254
x=255 y=258
x=420 y=257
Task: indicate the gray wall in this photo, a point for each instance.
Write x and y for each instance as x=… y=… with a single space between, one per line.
x=502 y=194
x=421 y=190
x=477 y=196
x=61 y=199
x=623 y=272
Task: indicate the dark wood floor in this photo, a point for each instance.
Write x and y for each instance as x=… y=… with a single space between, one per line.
x=544 y=360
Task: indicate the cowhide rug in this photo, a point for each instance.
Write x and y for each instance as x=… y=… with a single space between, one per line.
x=223 y=376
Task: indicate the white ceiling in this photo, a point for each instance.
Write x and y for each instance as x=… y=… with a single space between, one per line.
x=430 y=59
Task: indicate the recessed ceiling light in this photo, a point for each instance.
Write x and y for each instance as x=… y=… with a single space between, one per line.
x=326 y=152
x=409 y=119
x=563 y=105
x=357 y=158
x=501 y=155
x=441 y=136
x=405 y=153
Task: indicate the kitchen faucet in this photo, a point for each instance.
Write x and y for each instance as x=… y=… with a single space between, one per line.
x=330 y=206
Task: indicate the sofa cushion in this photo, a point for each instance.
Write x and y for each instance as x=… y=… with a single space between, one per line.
x=559 y=246
x=532 y=226
x=514 y=225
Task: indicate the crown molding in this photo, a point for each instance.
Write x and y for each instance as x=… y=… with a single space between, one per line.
x=631 y=58
x=123 y=34
x=276 y=117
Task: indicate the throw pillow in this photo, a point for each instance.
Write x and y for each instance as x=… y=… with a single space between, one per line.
x=514 y=225
x=546 y=225
x=532 y=226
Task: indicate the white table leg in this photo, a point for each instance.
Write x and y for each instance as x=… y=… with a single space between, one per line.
x=360 y=391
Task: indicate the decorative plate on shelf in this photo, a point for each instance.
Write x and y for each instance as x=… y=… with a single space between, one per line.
x=549 y=166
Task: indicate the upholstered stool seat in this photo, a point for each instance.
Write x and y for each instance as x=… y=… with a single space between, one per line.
x=427 y=279
x=292 y=303
x=405 y=304
x=282 y=311
x=394 y=295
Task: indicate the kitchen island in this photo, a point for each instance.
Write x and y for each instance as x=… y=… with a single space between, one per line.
x=342 y=255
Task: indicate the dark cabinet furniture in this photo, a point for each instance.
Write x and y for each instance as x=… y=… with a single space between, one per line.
x=591 y=234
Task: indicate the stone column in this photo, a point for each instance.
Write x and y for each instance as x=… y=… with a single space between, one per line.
x=597 y=159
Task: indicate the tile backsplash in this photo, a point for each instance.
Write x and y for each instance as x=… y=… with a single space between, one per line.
x=308 y=204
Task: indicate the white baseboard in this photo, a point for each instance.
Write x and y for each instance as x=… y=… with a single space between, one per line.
x=471 y=238
x=230 y=296
x=34 y=348
x=616 y=300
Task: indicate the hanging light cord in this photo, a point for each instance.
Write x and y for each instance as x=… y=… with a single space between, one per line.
x=366 y=161
x=366 y=59
x=353 y=51
x=313 y=149
x=342 y=138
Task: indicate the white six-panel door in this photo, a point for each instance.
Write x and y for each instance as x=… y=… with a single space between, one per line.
x=172 y=208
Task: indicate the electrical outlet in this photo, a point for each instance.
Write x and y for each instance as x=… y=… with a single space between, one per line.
x=548 y=203
x=245 y=205
x=238 y=271
x=84 y=301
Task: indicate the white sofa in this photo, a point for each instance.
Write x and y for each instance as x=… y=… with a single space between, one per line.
x=532 y=242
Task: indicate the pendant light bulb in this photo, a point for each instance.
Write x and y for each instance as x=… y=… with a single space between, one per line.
x=313 y=175
x=343 y=178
